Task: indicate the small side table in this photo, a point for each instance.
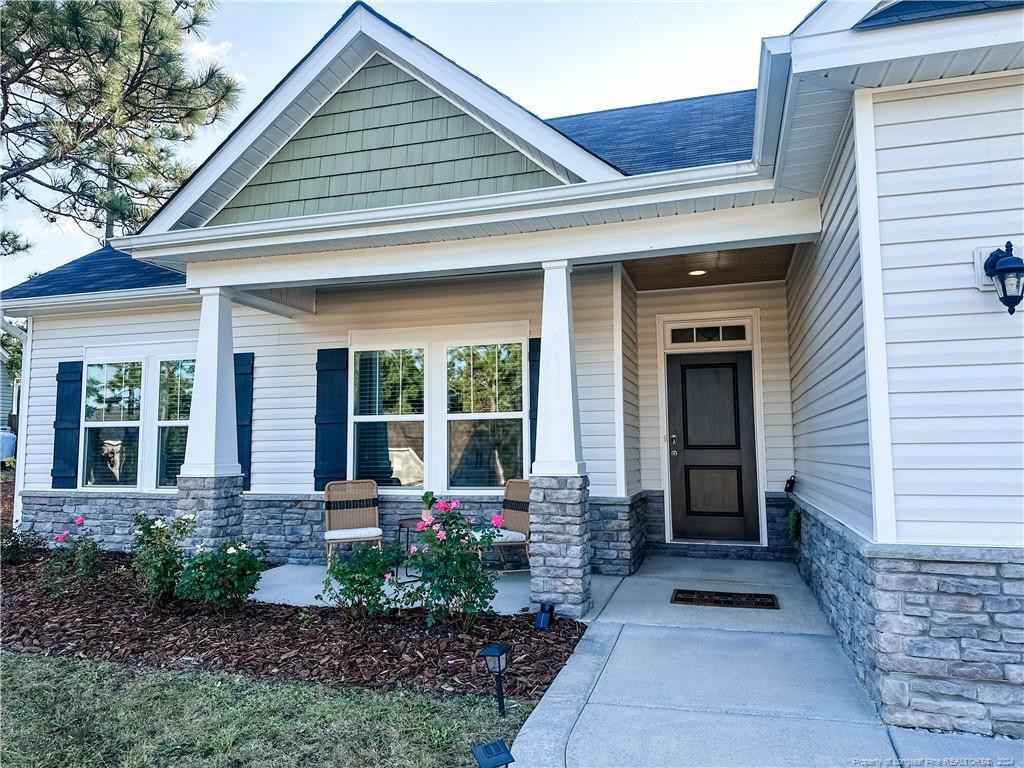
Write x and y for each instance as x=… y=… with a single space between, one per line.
x=406 y=533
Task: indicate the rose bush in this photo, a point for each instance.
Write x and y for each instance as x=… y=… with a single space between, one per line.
x=159 y=559
x=74 y=561
x=453 y=583
x=19 y=546
x=222 y=577
x=367 y=582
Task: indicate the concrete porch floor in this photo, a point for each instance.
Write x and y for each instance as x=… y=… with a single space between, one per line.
x=653 y=684
x=300 y=584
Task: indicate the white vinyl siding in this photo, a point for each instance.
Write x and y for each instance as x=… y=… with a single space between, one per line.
x=630 y=387
x=284 y=382
x=826 y=336
x=770 y=298
x=950 y=170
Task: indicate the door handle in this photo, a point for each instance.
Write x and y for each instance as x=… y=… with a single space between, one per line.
x=672 y=439
x=673 y=452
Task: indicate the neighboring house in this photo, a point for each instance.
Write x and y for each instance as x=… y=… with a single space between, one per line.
x=660 y=313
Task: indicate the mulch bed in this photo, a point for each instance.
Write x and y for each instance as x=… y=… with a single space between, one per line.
x=110 y=619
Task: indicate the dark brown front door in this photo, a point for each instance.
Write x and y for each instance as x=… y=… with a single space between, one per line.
x=712 y=459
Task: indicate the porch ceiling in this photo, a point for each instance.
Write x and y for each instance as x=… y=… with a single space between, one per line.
x=739 y=265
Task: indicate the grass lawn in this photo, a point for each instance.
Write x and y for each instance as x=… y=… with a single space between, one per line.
x=64 y=712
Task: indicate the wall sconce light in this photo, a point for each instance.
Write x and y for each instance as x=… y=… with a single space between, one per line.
x=496 y=658
x=1007 y=274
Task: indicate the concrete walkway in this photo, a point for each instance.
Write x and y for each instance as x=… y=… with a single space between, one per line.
x=653 y=684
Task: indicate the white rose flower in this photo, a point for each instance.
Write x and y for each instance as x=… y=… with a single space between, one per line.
x=188 y=517
x=231 y=550
x=243 y=546
x=159 y=523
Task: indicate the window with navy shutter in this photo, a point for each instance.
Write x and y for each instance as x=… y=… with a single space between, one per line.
x=66 y=425
x=243 y=413
x=331 y=457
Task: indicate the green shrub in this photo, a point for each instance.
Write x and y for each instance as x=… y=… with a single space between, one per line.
x=74 y=561
x=19 y=546
x=222 y=577
x=367 y=582
x=158 y=557
x=453 y=584
x=794 y=524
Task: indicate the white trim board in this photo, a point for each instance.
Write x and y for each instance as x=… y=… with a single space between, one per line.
x=19 y=450
x=753 y=345
x=883 y=494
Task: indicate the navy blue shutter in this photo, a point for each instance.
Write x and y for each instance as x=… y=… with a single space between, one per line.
x=534 y=393
x=331 y=460
x=67 y=424
x=243 y=414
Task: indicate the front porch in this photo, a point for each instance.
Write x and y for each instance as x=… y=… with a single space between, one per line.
x=292 y=584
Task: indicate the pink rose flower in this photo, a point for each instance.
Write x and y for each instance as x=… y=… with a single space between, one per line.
x=60 y=537
x=455 y=504
x=414 y=549
x=436 y=526
x=472 y=521
x=497 y=521
x=421 y=525
x=387 y=577
x=441 y=535
x=79 y=520
x=429 y=519
x=443 y=506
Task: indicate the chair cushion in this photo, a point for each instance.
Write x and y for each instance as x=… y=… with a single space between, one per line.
x=349 y=534
x=506 y=537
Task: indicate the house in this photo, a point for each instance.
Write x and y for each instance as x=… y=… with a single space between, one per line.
x=659 y=313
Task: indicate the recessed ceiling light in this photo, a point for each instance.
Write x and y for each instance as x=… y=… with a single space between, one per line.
x=698 y=272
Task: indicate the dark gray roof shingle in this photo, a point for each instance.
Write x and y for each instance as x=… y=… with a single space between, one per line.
x=912 y=11
x=671 y=134
x=106 y=269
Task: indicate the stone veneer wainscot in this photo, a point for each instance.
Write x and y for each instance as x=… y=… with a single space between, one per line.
x=935 y=633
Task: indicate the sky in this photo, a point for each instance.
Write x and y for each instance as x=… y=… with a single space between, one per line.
x=552 y=58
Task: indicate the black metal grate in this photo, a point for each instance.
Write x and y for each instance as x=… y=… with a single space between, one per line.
x=724 y=599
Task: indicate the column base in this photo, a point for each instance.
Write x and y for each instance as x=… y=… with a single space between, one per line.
x=560 y=544
x=217 y=504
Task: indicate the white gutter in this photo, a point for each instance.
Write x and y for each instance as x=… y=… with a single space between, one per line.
x=99 y=301
x=548 y=201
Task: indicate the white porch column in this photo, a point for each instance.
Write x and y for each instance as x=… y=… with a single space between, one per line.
x=212 y=448
x=559 y=449
x=560 y=544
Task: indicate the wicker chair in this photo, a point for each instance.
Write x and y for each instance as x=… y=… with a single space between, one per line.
x=516 y=511
x=351 y=513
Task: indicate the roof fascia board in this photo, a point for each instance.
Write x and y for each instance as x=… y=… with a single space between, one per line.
x=256 y=122
x=846 y=48
x=99 y=301
x=797 y=221
x=421 y=58
x=183 y=246
x=458 y=85
x=772 y=86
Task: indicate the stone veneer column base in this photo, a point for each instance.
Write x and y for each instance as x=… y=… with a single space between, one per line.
x=217 y=504
x=560 y=544
x=617 y=535
x=935 y=633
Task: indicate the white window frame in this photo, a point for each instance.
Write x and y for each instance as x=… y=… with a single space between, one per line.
x=150 y=355
x=435 y=341
x=160 y=423
x=374 y=418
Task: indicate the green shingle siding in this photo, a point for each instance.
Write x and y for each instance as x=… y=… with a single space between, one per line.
x=384 y=139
